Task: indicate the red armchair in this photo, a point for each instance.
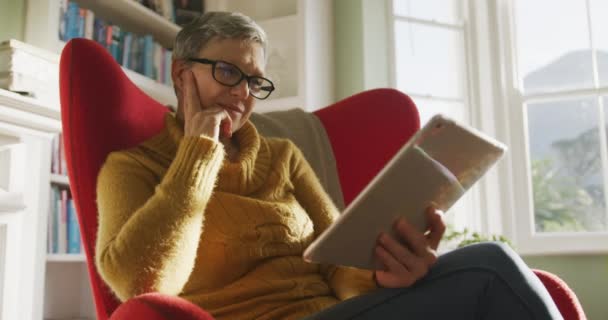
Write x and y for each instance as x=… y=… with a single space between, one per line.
x=103 y=111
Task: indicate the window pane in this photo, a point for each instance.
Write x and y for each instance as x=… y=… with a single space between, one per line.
x=599 y=25
x=429 y=60
x=567 y=175
x=553 y=45
x=440 y=10
x=427 y=108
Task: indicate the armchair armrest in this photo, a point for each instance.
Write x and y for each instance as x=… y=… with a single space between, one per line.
x=156 y=306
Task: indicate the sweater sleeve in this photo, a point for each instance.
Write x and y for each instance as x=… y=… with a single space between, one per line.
x=148 y=231
x=346 y=282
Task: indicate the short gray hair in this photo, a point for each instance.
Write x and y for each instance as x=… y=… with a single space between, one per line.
x=224 y=25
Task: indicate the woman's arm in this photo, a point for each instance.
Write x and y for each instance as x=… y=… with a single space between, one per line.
x=149 y=232
x=345 y=282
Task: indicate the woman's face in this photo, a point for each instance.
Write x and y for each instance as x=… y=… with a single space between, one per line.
x=237 y=101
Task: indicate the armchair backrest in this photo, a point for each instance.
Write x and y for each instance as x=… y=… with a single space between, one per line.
x=103 y=111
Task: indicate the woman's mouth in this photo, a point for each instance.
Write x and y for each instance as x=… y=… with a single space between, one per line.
x=232 y=109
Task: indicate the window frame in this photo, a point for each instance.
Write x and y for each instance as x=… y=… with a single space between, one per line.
x=473 y=220
x=528 y=241
x=503 y=202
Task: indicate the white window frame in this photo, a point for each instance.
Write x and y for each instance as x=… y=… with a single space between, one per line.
x=503 y=200
x=528 y=241
x=484 y=215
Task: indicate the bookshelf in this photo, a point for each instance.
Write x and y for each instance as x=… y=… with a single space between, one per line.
x=59 y=179
x=64 y=291
x=301 y=55
x=133 y=16
x=58 y=257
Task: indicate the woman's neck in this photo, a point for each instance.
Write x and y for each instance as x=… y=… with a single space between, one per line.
x=231 y=147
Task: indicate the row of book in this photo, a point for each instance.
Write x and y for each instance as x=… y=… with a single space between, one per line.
x=58 y=164
x=139 y=53
x=63 y=231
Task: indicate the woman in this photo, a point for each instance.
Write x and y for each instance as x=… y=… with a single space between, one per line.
x=211 y=211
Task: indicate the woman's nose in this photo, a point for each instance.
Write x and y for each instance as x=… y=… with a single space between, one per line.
x=241 y=89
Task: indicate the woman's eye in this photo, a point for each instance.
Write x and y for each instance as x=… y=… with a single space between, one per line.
x=228 y=71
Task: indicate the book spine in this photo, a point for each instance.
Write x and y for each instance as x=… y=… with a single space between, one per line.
x=62 y=163
x=73 y=231
x=72 y=23
x=89 y=22
x=99 y=30
x=115 y=42
x=168 y=58
x=158 y=62
x=63 y=13
x=126 y=49
x=63 y=222
x=82 y=16
x=149 y=56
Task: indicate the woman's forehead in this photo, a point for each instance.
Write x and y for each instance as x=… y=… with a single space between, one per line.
x=246 y=54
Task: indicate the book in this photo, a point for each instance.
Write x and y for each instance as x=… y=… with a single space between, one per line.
x=434 y=168
x=73 y=229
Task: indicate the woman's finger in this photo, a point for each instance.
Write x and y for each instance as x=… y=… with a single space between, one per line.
x=391 y=264
x=195 y=95
x=186 y=93
x=226 y=125
x=415 y=240
x=416 y=265
x=436 y=227
x=395 y=274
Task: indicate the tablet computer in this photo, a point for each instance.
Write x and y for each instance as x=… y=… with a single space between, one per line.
x=436 y=167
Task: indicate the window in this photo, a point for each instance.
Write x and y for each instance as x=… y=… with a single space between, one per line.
x=429 y=40
x=560 y=59
x=535 y=75
x=430 y=59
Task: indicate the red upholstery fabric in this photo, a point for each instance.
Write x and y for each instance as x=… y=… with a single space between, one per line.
x=155 y=306
x=381 y=120
x=564 y=297
x=103 y=111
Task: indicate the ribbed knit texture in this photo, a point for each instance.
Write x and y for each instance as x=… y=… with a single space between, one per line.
x=177 y=217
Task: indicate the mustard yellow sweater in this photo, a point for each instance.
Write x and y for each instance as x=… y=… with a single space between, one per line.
x=176 y=217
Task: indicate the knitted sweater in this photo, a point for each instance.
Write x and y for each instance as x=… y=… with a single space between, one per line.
x=177 y=217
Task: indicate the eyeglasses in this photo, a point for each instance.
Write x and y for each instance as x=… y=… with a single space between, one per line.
x=230 y=75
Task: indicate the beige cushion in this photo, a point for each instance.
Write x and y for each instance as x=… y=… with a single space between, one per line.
x=308 y=133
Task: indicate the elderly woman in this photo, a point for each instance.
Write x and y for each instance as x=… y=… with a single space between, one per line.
x=212 y=212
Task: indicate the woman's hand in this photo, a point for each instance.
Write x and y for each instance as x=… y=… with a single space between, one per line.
x=199 y=120
x=408 y=259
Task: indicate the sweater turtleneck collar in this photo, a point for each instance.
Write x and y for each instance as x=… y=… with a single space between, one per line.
x=247 y=172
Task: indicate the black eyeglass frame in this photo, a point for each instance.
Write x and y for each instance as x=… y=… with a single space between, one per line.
x=213 y=63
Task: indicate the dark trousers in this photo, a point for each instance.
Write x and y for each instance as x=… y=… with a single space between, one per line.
x=481 y=281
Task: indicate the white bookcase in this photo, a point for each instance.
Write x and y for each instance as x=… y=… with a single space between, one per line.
x=300 y=60
x=300 y=54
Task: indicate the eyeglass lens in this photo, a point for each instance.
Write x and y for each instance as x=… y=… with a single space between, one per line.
x=230 y=75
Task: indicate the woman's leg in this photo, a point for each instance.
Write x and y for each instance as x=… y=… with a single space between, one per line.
x=481 y=281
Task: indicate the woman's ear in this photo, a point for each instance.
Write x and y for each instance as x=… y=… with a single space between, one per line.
x=177 y=68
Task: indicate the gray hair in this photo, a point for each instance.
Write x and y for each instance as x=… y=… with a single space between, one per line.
x=224 y=25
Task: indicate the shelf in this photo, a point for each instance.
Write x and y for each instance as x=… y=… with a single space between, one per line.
x=65 y=257
x=162 y=93
x=60 y=179
x=134 y=17
x=11 y=202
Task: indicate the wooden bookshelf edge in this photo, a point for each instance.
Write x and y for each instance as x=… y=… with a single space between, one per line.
x=65 y=257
